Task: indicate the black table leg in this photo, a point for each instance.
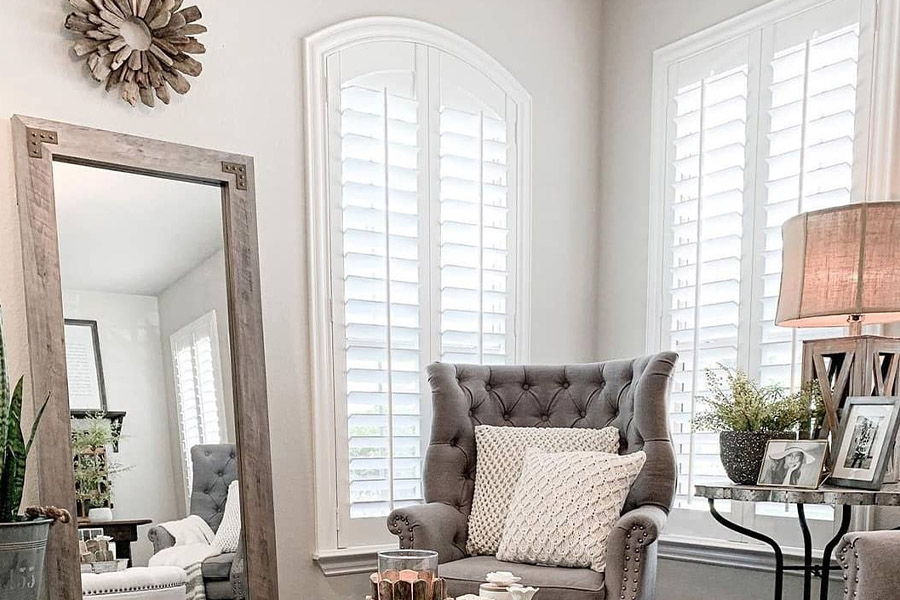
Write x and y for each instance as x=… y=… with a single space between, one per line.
x=779 y=555
x=829 y=549
x=807 y=553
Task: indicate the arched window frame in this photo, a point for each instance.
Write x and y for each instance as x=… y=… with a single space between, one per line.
x=317 y=48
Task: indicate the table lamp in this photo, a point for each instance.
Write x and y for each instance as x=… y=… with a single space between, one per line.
x=841 y=266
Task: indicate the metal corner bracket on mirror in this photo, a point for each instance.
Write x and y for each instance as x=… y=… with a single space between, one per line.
x=239 y=170
x=36 y=138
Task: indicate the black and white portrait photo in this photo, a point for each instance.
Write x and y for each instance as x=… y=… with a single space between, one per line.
x=862 y=442
x=868 y=427
x=793 y=463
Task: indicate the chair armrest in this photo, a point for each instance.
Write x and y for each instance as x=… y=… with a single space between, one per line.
x=869 y=562
x=160 y=538
x=631 y=553
x=433 y=526
x=237 y=575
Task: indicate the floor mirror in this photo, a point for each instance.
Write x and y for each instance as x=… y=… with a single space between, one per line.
x=143 y=316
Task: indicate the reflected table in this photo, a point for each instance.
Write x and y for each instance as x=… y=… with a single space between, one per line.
x=123 y=532
x=842 y=498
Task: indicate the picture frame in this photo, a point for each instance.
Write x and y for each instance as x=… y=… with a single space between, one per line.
x=793 y=463
x=84 y=366
x=865 y=441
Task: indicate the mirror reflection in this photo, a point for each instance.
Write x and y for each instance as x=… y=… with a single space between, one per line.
x=149 y=374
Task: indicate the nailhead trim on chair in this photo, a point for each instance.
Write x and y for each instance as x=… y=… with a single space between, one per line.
x=129 y=588
x=633 y=551
x=397 y=529
x=845 y=566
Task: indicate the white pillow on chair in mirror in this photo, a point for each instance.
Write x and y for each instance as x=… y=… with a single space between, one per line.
x=228 y=536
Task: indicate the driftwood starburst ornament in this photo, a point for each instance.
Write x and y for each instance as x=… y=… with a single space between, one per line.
x=140 y=47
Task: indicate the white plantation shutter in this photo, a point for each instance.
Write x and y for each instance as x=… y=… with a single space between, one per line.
x=476 y=262
x=421 y=153
x=706 y=198
x=811 y=133
x=198 y=387
x=770 y=124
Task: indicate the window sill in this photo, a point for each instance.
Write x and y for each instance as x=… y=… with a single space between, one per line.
x=732 y=555
x=705 y=551
x=349 y=561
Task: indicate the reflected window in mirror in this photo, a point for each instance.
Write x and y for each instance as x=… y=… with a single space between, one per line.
x=198 y=381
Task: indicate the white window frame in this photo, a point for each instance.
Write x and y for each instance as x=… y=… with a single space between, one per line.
x=700 y=524
x=317 y=48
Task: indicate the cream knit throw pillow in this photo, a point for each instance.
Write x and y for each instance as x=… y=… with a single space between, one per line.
x=501 y=451
x=228 y=536
x=565 y=506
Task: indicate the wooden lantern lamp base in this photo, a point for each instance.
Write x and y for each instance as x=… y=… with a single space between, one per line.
x=857 y=365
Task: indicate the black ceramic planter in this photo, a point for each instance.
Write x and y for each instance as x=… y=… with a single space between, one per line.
x=22 y=547
x=742 y=453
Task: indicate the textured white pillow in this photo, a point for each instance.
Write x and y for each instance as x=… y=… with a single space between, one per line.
x=501 y=451
x=565 y=506
x=229 y=533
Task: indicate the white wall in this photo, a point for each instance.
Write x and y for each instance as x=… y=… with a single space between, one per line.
x=249 y=100
x=128 y=328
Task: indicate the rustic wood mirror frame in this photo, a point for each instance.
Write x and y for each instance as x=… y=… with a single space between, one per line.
x=37 y=143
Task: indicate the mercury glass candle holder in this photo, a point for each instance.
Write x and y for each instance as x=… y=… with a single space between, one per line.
x=407 y=565
x=407 y=575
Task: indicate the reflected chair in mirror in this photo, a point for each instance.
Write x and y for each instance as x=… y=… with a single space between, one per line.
x=214 y=468
x=631 y=395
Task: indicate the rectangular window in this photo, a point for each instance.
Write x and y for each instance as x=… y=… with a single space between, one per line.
x=198 y=387
x=423 y=214
x=749 y=131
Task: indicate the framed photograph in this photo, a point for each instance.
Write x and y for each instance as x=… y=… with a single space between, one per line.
x=793 y=463
x=865 y=441
x=84 y=368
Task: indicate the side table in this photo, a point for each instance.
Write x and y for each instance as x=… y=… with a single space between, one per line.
x=845 y=498
x=122 y=532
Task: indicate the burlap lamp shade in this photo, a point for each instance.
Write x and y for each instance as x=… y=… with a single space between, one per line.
x=841 y=264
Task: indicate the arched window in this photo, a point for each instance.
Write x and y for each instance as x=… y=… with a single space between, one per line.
x=418 y=166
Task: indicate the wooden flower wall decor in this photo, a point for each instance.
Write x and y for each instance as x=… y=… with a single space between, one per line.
x=141 y=47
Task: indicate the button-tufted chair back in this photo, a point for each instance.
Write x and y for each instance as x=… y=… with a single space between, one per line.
x=215 y=467
x=631 y=395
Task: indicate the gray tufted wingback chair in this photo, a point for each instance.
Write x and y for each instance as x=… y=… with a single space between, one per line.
x=629 y=394
x=214 y=468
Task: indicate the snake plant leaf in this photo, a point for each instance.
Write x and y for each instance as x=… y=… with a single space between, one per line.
x=34 y=426
x=4 y=399
x=12 y=483
x=7 y=489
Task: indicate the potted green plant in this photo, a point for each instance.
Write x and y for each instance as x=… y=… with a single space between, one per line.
x=23 y=539
x=747 y=415
x=92 y=437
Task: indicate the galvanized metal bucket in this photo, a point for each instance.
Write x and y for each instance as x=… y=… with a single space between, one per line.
x=22 y=547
